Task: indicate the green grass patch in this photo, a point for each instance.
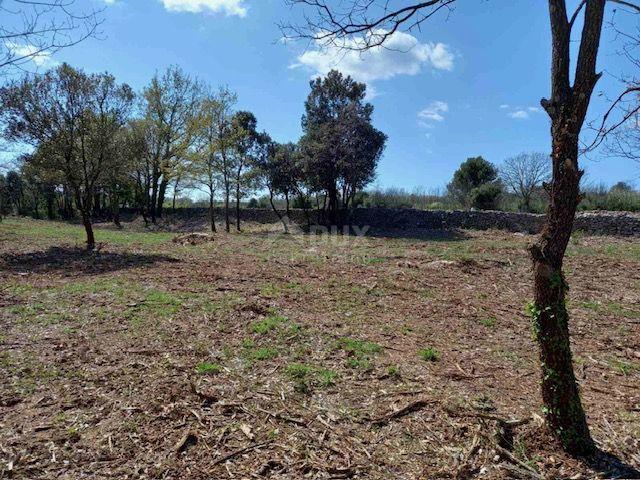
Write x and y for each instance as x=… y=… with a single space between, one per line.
x=366 y=261
x=156 y=304
x=612 y=308
x=38 y=230
x=305 y=377
x=253 y=353
x=488 y=322
x=270 y=323
x=429 y=354
x=624 y=367
x=360 y=352
x=208 y=368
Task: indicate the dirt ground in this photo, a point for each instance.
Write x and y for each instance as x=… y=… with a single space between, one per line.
x=258 y=355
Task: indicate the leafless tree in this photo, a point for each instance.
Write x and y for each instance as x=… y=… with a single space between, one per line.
x=525 y=173
x=619 y=129
x=363 y=24
x=33 y=30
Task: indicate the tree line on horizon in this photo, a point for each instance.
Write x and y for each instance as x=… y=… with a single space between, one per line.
x=96 y=146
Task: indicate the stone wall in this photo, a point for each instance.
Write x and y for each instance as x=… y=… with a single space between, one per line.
x=382 y=219
x=597 y=223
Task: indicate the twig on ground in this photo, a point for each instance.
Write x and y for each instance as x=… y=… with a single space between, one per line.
x=240 y=451
x=412 y=407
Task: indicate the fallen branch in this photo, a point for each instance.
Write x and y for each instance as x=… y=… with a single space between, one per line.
x=240 y=451
x=285 y=418
x=412 y=407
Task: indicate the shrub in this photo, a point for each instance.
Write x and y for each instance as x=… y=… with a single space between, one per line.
x=486 y=196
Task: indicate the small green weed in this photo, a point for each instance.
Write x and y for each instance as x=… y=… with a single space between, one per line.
x=393 y=371
x=361 y=352
x=208 y=368
x=429 y=354
x=306 y=376
x=270 y=323
x=262 y=353
x=488 y=322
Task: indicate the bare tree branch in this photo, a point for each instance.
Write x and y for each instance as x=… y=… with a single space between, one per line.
x=32 y=30
x=364 y=20
x=625 y=3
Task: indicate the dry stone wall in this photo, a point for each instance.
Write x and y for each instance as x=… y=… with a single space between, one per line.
x=380 y=219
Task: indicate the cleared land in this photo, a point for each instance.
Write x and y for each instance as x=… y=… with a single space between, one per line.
x=262 y=356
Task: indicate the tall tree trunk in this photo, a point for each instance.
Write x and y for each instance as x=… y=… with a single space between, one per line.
x=238 y=205
x=563 y=407
x=227 y=220
x=115 y=210
x=567 y=109
x=88 y=227
x=212 y=212
x=333 y=205
x=305 y=209
x=116 y=217
x=50 y=205
x=286 y=199
x=154 y=196
x=162 y=190
x=273 y=206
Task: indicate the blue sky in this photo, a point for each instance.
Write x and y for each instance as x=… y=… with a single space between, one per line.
x=470 y=85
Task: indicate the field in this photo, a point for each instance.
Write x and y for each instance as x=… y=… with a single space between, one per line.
x=270 y=356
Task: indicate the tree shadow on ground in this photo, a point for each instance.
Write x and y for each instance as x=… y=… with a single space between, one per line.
x=427 y=235
x=611 y=466
x=77 y=260
x=421 y=234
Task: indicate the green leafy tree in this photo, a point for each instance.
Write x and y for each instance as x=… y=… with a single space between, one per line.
x=340 y=148
x=472 y=173
x=621 y=187
x=14 y=190
x=486 y=196
x=281 y=175
x=171 y=103
x=247 y=145
x=212 y=158
x=72 y=119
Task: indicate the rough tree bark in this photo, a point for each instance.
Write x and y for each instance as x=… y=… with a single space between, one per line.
x=238 y=205
x=227 y=219
x=162 y=192
x=273 y=206
x=86 y=221
x=212 y=212
x=155 y=177
x=567 y=109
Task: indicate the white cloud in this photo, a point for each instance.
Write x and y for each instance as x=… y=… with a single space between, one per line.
x=520 y=114
x=31 y=52
x=434 y=112
x=228 y=7
x=402 y=54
